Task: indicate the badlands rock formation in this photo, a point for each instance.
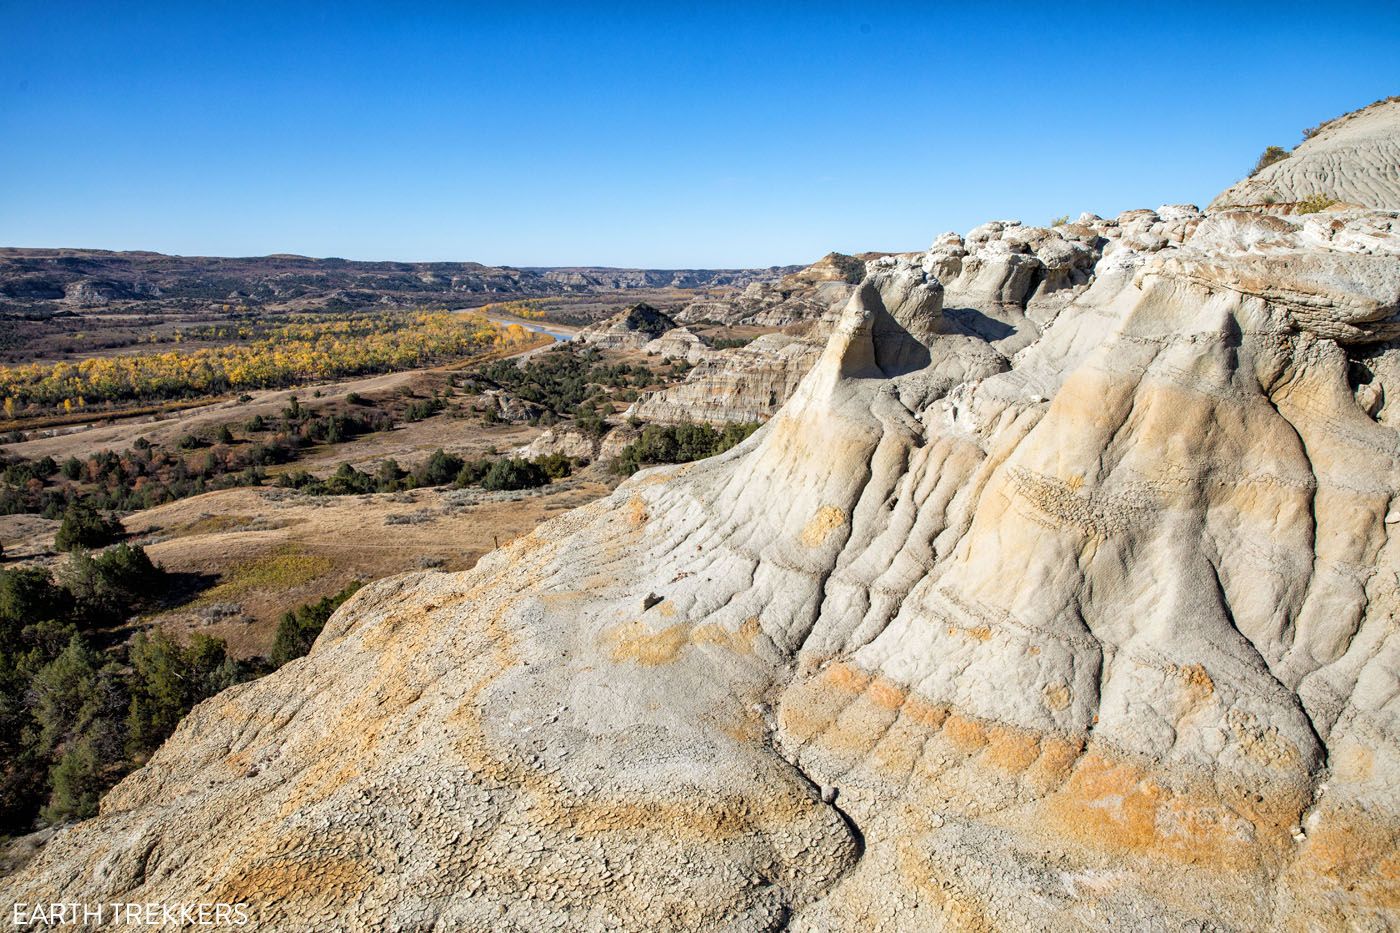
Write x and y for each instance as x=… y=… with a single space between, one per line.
x=1003 y=283
x=54 y=280
x=573 y=444
x=593 y=279
x=1352 y=160
x=742 y=384
x=1102 y=632
x=801 y=296
x=751 y=383
x=680 y=343
x=630 y=329
x=1061 y=594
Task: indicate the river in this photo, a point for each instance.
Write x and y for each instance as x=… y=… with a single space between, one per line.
x=559 y=335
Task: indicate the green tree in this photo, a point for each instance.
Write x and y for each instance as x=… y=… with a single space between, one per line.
x=513 y=474
x=298 y=628
x=28 y=595
x=77 y=703
x=76 y=783
x=555 y=466
x=347 y=480
x=1268 y=157
x=83 y=526
x=679 y=443
x=22 y=769
x=167 y=680
x=63 y=694
x=387 y=476
x=110 y=586
x=438 y=470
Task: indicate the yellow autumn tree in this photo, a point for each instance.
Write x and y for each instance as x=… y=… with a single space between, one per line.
x=267 y=353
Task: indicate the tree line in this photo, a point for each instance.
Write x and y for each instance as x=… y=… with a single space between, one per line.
x=258 y=355
x=438 y=469
x=147 y=475
x=77 y=714
x=679 y=443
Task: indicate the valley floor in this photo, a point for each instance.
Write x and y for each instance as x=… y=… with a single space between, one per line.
x=270 y=549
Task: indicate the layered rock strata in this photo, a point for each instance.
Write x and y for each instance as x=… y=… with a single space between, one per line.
x=1344 y=163
x=630 y=329
x=1099 y=630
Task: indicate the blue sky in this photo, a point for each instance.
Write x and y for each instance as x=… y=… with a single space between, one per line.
x=654 y=134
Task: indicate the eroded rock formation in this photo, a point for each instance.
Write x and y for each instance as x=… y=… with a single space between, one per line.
x=1079 y=611
x=801 y=296
x=742 y=384
x=1003 y=283
x=1351 y=161
x=630 y=329
x=680 y=343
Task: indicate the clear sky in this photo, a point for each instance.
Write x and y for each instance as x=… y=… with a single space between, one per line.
x=659 y=134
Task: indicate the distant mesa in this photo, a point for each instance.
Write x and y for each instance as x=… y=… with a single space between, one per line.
x=61 y=280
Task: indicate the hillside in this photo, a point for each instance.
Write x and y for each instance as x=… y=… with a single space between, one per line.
x=39 y=280
x=1353 y=160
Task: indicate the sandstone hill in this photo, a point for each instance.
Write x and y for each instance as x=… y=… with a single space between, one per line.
x=1353 y=160
x=1061 y=594
x=1003 y=283
x=629 y=329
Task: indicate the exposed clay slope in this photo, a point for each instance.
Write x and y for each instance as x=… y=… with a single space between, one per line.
x=1353 y=160
x=1003 y=282
x=629 y=329
x=1100 y=632
x=742 y=384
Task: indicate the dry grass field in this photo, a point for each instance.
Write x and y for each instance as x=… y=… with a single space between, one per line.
x=247 y=555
